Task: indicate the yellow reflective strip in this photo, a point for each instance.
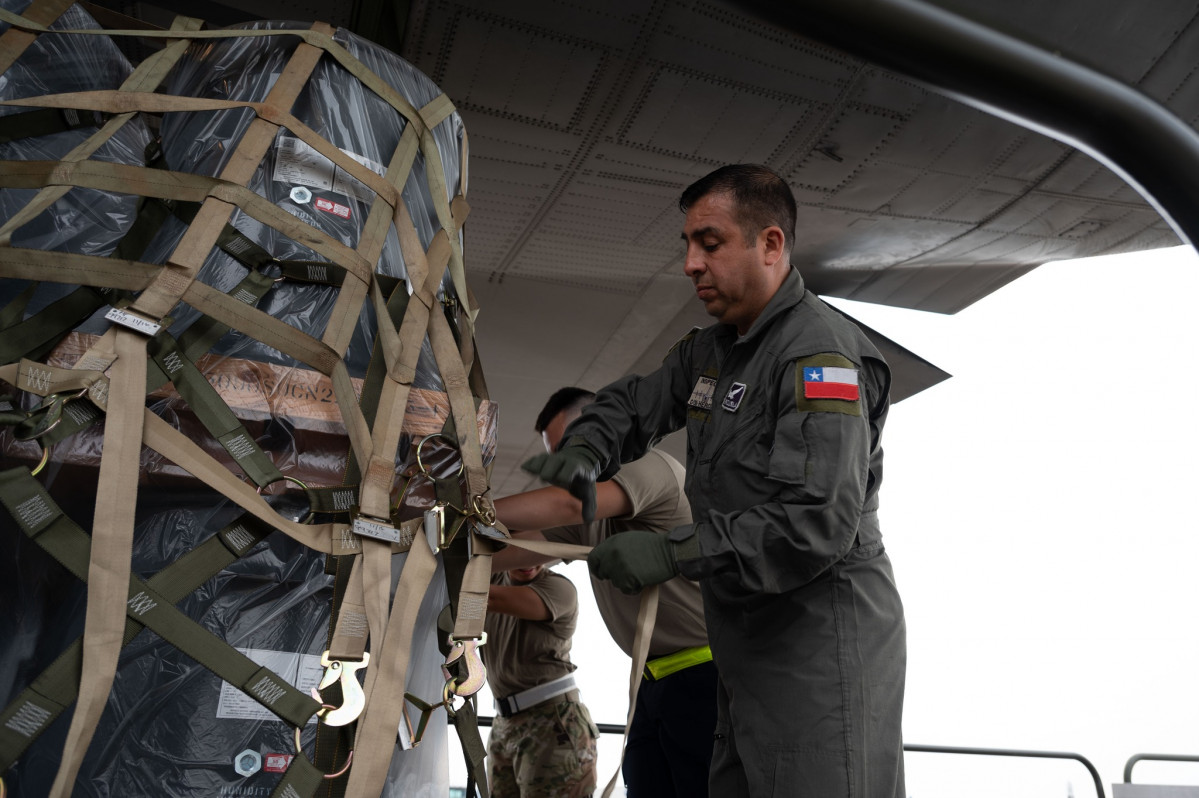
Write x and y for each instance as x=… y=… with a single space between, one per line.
x=673 y=663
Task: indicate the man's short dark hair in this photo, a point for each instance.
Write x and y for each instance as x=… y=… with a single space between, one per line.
x=569 y=398
x=760 y=196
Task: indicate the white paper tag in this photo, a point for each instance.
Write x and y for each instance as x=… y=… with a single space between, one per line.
x=133 y=321
x=298 y=163
x=376 y=530
x=302 y=671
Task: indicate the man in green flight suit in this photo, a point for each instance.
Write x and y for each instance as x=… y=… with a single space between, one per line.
x=784 y=402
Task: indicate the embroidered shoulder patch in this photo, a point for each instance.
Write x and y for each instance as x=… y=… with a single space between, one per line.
x=827 y=383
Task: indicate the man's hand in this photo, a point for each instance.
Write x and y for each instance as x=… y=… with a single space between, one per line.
x=573 y=467
x=634 y=560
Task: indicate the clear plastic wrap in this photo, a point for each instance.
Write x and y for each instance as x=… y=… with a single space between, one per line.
x=85 y=221
x=171 y=727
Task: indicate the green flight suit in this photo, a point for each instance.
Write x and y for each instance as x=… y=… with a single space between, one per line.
x=805 y=622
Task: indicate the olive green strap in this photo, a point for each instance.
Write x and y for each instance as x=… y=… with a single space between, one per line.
x=205 y=331
x=42 y=520
x=55 y=688
x=212 y=411
x=474 y=753
x=46 y=121
x=38 y=334
x=300 y=780
x=14 y=311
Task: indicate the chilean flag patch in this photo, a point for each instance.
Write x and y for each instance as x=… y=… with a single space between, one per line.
x=830 y=382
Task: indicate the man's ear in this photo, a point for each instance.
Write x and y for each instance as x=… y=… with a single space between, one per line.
x=772 y=241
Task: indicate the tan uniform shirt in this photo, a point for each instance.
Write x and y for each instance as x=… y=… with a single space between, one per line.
x=522 y=654
x=654 y=485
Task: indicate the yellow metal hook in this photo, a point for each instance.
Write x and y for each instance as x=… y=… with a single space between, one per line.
x=353 y=700
x=476 y=671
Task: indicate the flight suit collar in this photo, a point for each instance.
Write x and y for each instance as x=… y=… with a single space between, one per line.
x=789 y=295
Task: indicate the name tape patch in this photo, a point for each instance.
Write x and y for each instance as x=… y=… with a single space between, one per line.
x=701 y=394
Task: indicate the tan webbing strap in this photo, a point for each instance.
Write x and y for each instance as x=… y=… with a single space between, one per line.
x=193 y=248
x=646 y=614
x=375 y=740
x=289 y=340
x=111 y=552
x=146 y=77
x=181 y=450
x=119 y=101
x=462 y=405
x=344 y=317
x=472 y=594
x=36 y=378
x=15 y=41
x=549 y=548
x=318 y=37
x=159 y=183
x=433 y=114
x=67 y=267
x=350 y=631
x=379 y=474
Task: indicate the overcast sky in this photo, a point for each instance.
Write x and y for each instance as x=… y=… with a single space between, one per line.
x=1038 y=511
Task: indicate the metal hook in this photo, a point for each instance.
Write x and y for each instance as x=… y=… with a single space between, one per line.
x=476 y=671
x=353 y=700
x=54 y=404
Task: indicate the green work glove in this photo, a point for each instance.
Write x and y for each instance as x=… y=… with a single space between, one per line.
x=573 y=467
x=634 y=560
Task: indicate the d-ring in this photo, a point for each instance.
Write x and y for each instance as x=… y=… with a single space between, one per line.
x=295 y=481
x=37 y=470
x=421 y=445
x=300 y=752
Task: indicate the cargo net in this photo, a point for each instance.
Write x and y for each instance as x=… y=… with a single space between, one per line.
x=244 y=436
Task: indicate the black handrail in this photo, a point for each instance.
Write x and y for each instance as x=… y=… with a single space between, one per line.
x=1132 y=760
x=944 y=749
x=613 y=728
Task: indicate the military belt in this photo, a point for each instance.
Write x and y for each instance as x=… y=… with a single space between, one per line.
x=527 y=699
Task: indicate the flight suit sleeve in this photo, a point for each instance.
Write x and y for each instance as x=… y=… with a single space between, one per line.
x=824 y=463
x=630 y=414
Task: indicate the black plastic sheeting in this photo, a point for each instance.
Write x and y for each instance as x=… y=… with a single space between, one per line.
x=171 y=727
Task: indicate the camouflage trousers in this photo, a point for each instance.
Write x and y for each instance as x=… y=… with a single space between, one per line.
x=547 y=751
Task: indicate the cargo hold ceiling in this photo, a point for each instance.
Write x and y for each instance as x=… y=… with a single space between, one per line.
x=587 y=120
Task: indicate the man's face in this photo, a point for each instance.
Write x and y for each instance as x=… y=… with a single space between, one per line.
x=523 y=576
x=551 y=436
x=734 y=278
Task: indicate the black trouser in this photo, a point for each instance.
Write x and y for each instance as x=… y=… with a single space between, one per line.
x=669 y=751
